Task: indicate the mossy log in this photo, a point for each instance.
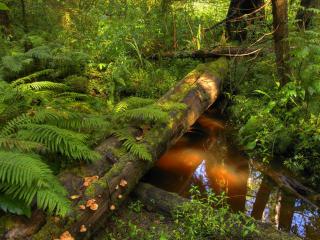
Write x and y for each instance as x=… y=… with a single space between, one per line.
x=197 y=91
x=215 y=53
x=167 y=202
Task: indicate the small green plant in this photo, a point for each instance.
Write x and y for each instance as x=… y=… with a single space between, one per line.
x=197 y=219
x=136 y=206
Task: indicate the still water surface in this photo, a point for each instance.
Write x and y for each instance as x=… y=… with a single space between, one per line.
x=205 y=157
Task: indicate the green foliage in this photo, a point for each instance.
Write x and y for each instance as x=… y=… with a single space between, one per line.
x=280 y=123
x=198 y=220
x=3 y=7
x=24 y=177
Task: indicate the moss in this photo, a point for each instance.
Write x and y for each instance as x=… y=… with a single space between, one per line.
x=77 y=83
x=50 y=229
x=5 y=224
x=92 y=189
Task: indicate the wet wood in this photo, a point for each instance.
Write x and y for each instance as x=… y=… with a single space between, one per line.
x=197 y=91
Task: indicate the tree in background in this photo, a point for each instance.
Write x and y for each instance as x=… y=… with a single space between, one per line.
x=305 y=15
x=240 y=14
x=281 y=33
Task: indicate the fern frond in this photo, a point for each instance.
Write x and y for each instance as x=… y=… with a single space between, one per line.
x=169 y=106
x=12 y=63
x=68 y=119
x=132 y=146
x=12 y=125
x=66 y=142
x=42 y=53
x=43 y=85
x=149 y=113
x=133 y=102
x=15 y=206
x=12 y=143
x=22 y=169
x=32 y=77
x=53 y=201
x=24 y=177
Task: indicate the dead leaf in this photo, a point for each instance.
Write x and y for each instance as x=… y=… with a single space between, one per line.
x=82 y=207
x=83 y=228
x=139 y=138
x=123 y=183
x=73 y=197
x=66 y=236
x=94 y=206
x=112 y=207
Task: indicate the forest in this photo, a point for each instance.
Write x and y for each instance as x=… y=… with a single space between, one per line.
x=159 y=119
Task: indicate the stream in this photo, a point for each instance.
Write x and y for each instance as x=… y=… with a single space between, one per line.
x=205 y=157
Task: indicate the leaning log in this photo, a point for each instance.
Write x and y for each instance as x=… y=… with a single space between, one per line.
x=203 y=54
x=198 y=90
x=167 y=202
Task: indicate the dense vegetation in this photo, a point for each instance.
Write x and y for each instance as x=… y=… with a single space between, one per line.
x=74 y=72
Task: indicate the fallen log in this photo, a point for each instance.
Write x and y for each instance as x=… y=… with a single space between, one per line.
x=289 y=184
x=167 y=203
x=215 y=53
x=198 y=90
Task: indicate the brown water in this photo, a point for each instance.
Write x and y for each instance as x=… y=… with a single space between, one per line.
x=205 y=157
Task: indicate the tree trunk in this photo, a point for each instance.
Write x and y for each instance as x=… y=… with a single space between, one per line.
x=281 y=33
x=262 y=198
x=4 y=21
x=24 y=16
x=198 y=90
x=240 y=14
x=305 y=16
x=287 y=204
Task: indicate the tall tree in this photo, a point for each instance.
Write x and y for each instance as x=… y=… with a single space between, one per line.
x=305 y=15
x=280 y=35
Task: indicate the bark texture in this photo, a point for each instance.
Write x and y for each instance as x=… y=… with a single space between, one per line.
x=198 y=90
x=281 y=33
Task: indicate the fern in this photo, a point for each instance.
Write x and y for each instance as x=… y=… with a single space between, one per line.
x=24 y=177
x=66 y=142
x=12 y=143
x=32 y=77
x=132 y=146
x=149 y=113
x=15 y=206
x=131 y=103
x=41 y=86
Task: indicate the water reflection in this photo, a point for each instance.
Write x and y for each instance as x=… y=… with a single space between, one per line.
x=205 y=158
